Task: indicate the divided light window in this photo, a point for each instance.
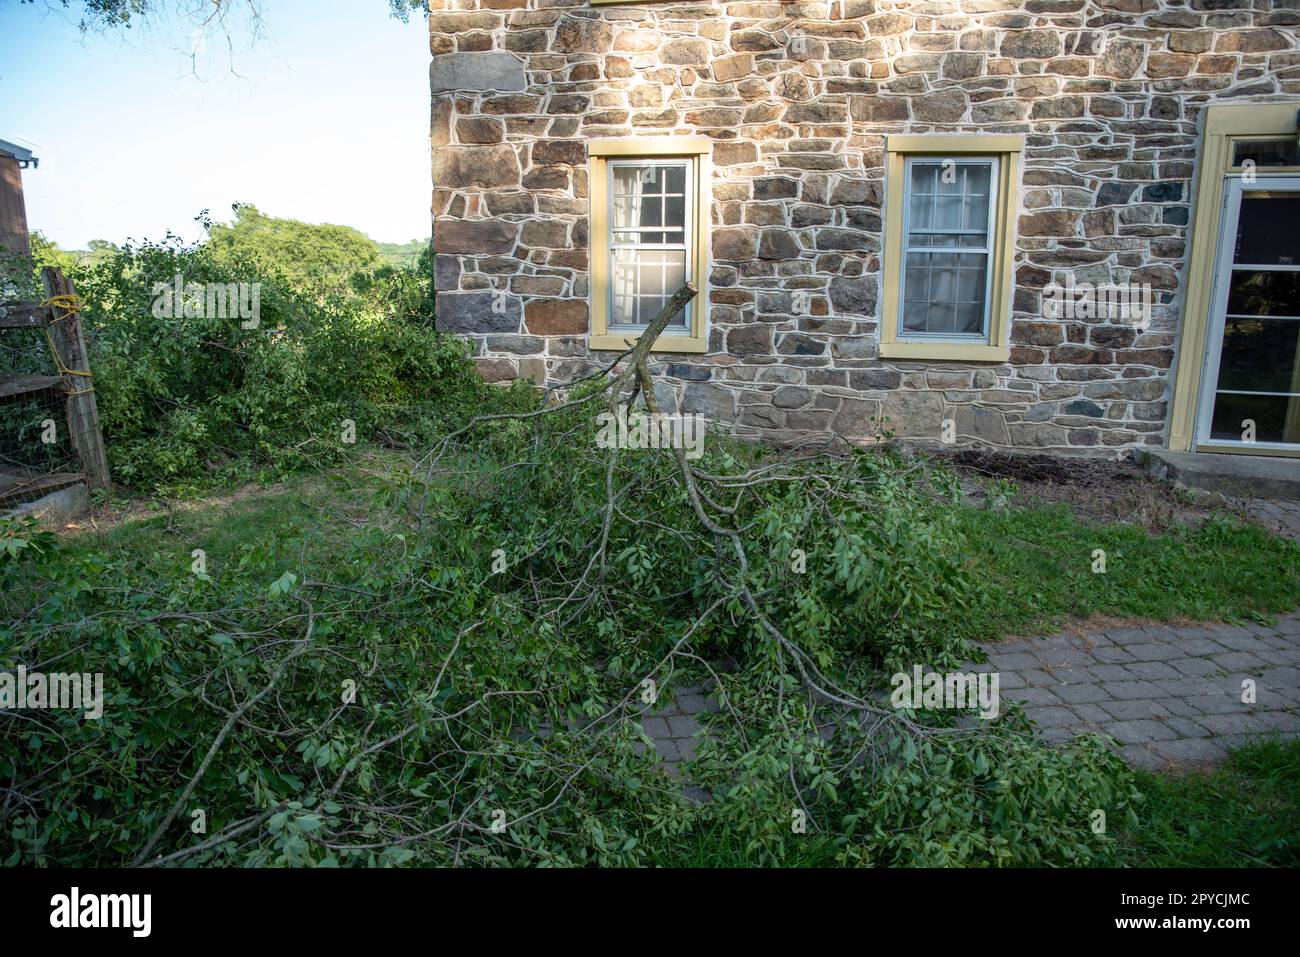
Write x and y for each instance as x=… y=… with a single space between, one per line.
x=948 y=252
x=950 y=219
x=651 y=222
x=650 y=214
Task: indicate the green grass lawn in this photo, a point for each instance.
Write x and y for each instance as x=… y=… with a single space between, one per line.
x=1038 y=560
x=311 y=509
x=1243 y=814
x=1041 y=563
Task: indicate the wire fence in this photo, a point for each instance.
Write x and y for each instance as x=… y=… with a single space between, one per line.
x=37 y=454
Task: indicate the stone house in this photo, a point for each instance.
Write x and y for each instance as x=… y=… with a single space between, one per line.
x=1062 y=225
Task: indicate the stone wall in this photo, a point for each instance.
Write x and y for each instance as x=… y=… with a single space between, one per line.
x=798 y=99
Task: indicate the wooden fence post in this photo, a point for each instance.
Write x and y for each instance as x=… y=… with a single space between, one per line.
x=83 y=412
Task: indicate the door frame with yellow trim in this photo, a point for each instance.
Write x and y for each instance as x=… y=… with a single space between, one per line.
x=1224 y=125
x=1211 y=385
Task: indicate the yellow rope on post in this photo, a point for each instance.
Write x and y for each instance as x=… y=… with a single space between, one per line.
x=70 y=303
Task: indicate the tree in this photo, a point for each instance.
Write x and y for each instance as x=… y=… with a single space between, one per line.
x=46 y=252
x=123 y=14
x=315 y=260
x=403 y=254
x=97 y=251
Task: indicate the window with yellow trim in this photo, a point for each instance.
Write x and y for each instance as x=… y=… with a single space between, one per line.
x=649 y=228
x=949 y=237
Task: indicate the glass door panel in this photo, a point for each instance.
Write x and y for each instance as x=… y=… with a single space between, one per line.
x=1253 y=357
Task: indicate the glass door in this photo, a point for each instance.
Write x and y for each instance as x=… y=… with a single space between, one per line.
x=1251 y=394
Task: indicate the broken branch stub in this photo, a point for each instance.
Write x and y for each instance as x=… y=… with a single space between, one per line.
x=653 y=331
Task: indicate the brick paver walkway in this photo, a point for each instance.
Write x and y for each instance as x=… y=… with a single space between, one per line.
x=1164 y=693
x=1280 y=517
x=674 y=729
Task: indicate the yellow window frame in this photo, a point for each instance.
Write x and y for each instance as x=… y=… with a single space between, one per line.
x=698 y=149
x=897 y=148
x=1223 y=125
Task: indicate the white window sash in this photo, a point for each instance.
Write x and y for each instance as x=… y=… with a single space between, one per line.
x=993 y=162
x=686 y=247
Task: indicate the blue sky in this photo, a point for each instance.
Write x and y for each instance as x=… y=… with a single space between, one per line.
x=323 y=118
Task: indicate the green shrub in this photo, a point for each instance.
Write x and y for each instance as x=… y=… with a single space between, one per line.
x=187 y=398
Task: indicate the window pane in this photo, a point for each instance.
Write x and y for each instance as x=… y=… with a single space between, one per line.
x=943 y=318
x=947 y=212
x=943 y=293
x=923 y=177
x=976 y=213
x=951 y=179
x=920 y=212
x=1264 y=293
x=977 y=178
x=675 y=211
x=970 y=280
x=917 y=283
x=917 y=287
x=1260 y=355
x=646 y=310
x=628 y=180
x=625 y=212
x=943 y=277
x=646 y=198
x=623 y=292
x=948 y=203
x=970 y=318
x=643 y=280
x=1266 y=229
x=650 y=270
x=647 y=208
x=1279 y=152
x=1276 y=417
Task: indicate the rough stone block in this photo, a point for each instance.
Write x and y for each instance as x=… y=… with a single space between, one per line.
x=477 y=72
x=477 y=313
